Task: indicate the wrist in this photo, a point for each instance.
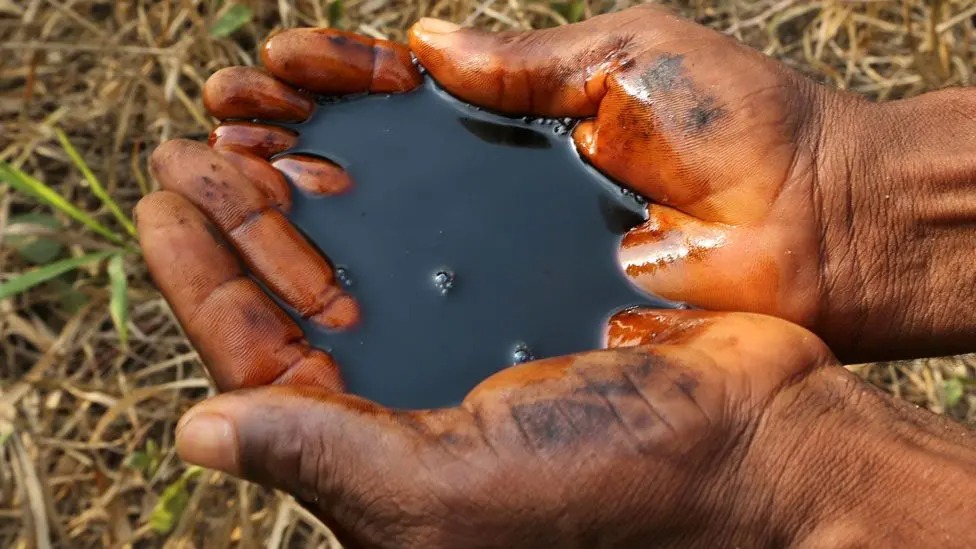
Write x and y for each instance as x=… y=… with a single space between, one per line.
x=897 y=182
x=852 y=466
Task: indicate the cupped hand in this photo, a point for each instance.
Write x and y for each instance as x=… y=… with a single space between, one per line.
x=770 y=193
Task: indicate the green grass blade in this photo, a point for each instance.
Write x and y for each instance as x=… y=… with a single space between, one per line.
x=172 y=502
x=236 y=16
x=33 y=277
x=336 y=10
x=96 y=185
x=953 y=391
x=119 y=303
x=31 y=186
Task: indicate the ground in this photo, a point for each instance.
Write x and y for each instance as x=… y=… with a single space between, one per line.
x=86 y=422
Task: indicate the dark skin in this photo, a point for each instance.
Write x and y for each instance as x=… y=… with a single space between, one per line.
x=694 y=428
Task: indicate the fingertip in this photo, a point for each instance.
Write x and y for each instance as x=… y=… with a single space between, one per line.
x=643 y=326
x=170 y=153
x=585 y=138
x=145 y=211
x=429 y=35
x=338 y=312
x=394 y=70
x=314 y=175
x=315 y=369
x=434 y=26
x=247 y=92
x=334 y=62
x=207 y=438
x=160 y=210
x=261 y=140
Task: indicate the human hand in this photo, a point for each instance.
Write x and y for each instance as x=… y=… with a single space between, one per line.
x=771 y=194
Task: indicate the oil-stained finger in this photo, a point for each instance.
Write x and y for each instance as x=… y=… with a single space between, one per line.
x=314 y=175
x=260 y=173
x=244 y=338
x=715 y=266
x=248 y=92
x=270 y=246
x=334 y=62
x=261 y=140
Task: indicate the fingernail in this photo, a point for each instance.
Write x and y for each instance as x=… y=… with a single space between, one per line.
x=207 y=440
x=437 y=26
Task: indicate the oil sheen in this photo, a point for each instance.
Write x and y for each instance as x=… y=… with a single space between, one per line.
x=472 y=242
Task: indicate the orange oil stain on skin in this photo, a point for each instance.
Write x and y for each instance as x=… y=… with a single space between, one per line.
x=259 y=139
x=645 y=326
x=335 y=62
x=314 y=175
x=631 y=145
x=664 y=240
x=246 y=92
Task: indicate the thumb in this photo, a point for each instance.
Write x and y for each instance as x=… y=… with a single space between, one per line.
x=347 y=458
x=556 y=72
x=278 y=436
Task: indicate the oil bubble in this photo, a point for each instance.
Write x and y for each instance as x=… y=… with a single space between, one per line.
x=342 y=274
x=522 y=354
x=444 y=280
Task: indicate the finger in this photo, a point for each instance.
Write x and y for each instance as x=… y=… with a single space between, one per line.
x=270 y=246
x=261 y=174
x=332 y=452
x=258 y=139
x=553 y=72
x=715 y=266
x=247 y=92
x=243 y=337
x=314 y=175
x=334 y=62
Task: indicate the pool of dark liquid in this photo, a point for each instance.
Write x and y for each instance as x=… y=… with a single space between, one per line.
x=472 y=242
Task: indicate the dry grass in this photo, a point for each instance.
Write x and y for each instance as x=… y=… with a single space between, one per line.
x=119 y=77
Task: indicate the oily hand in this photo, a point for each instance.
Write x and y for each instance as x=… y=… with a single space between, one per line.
x=647 y=443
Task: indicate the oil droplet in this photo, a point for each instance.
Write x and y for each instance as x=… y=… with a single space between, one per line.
x=444 y=280
x=343 y=275
x=522 y=354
